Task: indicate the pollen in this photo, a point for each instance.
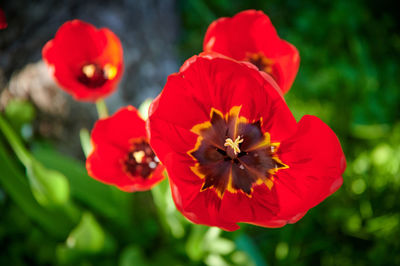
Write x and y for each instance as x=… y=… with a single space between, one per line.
x=110 y=71
x=89 y=70
x=138 y=155
x=234 y=144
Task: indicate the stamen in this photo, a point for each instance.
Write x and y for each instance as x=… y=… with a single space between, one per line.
x=89 y=70
x=234 y=144
x=110 y=71
x=138 y=155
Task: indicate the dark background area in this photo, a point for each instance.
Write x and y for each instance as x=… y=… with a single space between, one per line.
x=348 y=76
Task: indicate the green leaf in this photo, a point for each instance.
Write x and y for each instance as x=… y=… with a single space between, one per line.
x=16 y=185
x=171 y=219
x=132 y=256
x=105 y=199
x=246 y=244
x=88 y=236
x=215 y=260
x=194 y=245
x=20 y=111
x=50 y=187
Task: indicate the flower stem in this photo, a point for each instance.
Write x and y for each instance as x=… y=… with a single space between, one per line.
x=102 y=108
x=23 y=155
x=85 y=141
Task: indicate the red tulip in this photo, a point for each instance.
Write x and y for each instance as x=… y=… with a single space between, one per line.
x=86 y=62
x=250 y=36
x=121 y=154
x=233 y=150
x=3 y=20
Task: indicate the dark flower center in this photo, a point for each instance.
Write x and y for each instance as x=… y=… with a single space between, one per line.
x=233 y=154
x=263 y=63
x=94 y=75
x=141 y=160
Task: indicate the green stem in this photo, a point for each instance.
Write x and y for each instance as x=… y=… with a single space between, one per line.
x=23 y=155
x=85 y=141
x=102 y=108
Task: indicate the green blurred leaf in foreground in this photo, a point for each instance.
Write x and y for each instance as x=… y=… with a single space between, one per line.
x=50 y=188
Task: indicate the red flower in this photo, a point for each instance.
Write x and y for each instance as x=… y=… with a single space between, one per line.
x=3 y=21
x=250 y=36
x=233 y=150
x=86 y=62
x=121 y=153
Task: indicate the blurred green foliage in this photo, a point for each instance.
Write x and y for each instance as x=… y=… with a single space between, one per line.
x=349 y=76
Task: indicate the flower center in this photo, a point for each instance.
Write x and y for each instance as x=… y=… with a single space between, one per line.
x=94 y=76
x=263 y=63
x=233 y=146
x=141 y=160
x=233 y=154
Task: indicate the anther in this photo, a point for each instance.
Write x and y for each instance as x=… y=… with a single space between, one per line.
x=138 y=155
x=89 y=70
x=234 y=144
x=110 y=71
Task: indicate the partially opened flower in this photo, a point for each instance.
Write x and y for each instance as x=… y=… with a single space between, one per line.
x=233 y=150
x=85 y=61
x=3 y=20
x=121 y=153
x=250 y=36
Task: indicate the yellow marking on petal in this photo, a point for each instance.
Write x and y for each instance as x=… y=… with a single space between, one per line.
x=110 y=71
x=89 y=70
x=195 y=170
x=234 y=114
x=269 y=182
x=266 y=142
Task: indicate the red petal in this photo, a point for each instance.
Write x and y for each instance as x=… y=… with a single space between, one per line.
x=316 y=163
x=198 y=207
x=239 y=35
x=119 y=129
x=105 y=165
x=287 y=64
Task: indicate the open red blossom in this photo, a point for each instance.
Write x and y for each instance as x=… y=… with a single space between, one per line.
x=250 y=36
x=121 y=153
x=3 y=20
x=233 y=150
x=86 y=62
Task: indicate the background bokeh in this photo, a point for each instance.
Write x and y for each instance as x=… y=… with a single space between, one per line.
x=349 y=77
